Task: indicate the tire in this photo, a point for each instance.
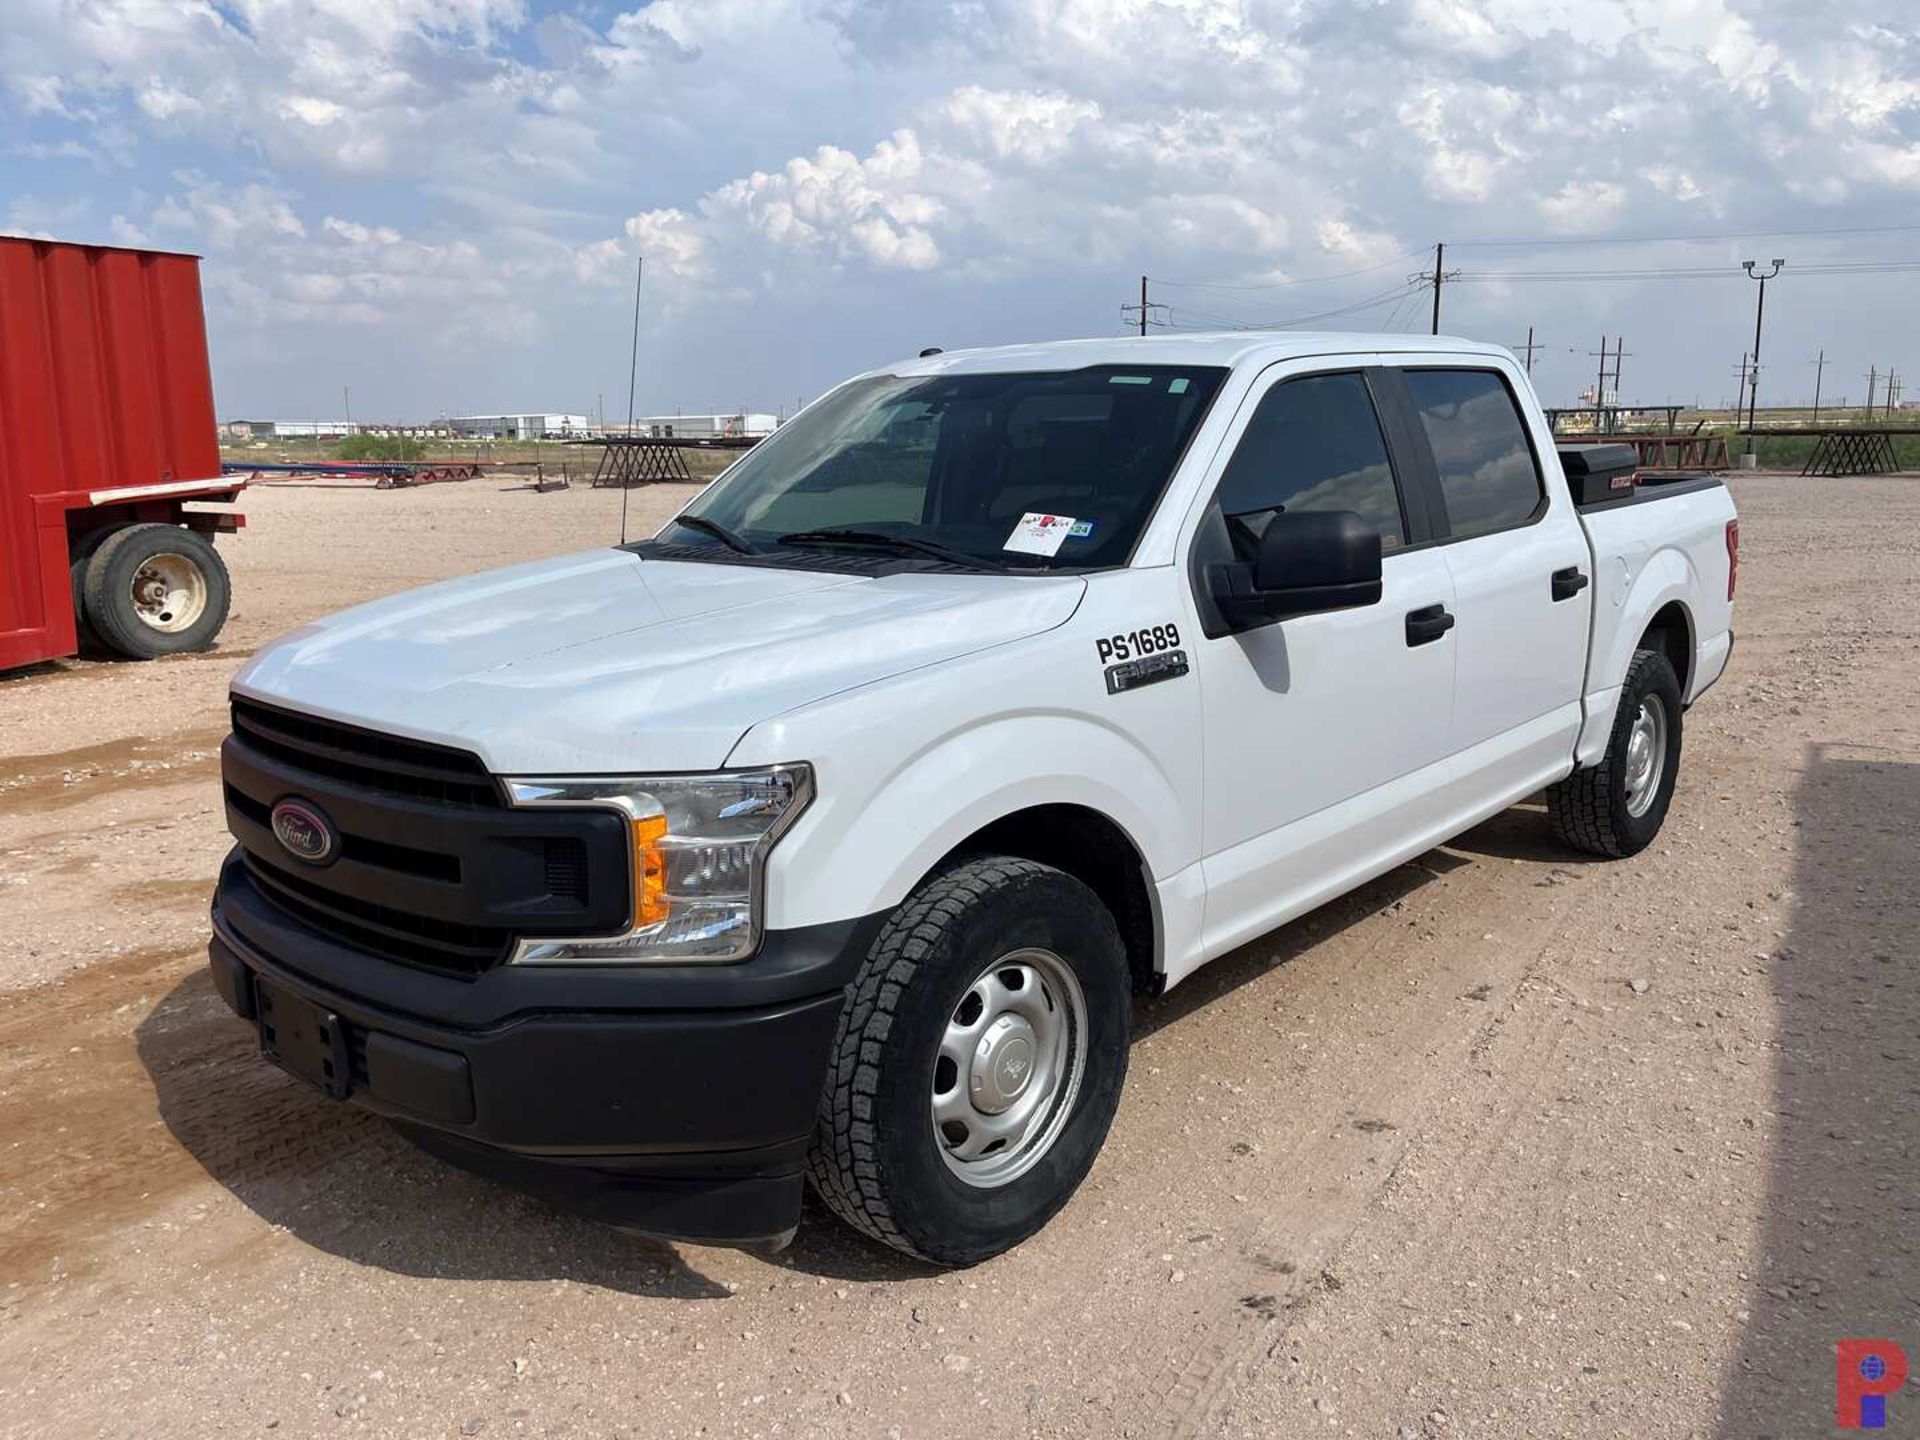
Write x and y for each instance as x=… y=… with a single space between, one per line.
x=89 y=637
x=878 y=1160
x=184 y=591
x=1605 y=810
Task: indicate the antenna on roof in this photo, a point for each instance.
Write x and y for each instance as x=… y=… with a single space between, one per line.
x=633 y=366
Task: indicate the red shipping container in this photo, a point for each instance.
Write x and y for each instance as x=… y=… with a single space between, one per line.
x=106 y=413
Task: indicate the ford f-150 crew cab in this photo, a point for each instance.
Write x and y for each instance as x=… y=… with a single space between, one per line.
x=829 y=832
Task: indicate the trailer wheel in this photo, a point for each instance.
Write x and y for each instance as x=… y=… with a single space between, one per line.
x=153 y=590
x=89 y=636
x=978 y=1063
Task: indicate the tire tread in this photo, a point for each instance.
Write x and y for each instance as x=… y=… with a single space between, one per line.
x=1581 y=806
x=844 y=1164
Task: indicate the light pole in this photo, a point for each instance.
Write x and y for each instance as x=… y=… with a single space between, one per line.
x=1760 y=310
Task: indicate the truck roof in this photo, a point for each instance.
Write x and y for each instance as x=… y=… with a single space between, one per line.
x=1228 y=347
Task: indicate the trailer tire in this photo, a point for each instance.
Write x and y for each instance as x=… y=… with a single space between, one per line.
x=1017 y=969
x=1615 y=808
x=88 y=634
x=153 y=590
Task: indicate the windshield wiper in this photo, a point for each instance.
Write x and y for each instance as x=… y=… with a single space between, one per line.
x=719 y=532
x=879 y=539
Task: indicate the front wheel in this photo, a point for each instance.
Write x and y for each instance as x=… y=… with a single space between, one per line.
x=1617 y=807
x=978 y=1062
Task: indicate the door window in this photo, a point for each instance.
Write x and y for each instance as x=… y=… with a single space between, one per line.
x=1314 y=443
x=1486 y=467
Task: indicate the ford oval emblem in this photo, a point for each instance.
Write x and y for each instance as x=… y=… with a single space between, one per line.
x=304 y=832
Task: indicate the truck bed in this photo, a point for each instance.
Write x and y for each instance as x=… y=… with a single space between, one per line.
x=1661 y=550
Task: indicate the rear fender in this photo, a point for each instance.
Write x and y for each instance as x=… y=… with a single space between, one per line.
x=1631 y=594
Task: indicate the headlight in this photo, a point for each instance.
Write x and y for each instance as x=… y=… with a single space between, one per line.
x=699 y=845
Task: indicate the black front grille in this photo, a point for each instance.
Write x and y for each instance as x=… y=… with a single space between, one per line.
x=385 y=764
x=433 y=869
x=379 y=930
x=405 y=859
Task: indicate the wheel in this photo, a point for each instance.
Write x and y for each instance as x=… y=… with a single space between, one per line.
x=978 y=1062
x=1617 y=807
x=89 y=637
x=153 y=590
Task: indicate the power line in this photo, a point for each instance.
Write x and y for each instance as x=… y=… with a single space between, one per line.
x=1680 y=239
x=1704 y=272
x=1297 y=280
x=1403 y=309
x=1384 y=297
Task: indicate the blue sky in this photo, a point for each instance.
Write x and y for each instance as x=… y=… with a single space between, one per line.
x=439 y=202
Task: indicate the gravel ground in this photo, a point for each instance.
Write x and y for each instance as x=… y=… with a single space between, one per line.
x=1508 y=1143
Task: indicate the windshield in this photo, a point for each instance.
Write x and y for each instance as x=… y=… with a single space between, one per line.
x=1040 y=470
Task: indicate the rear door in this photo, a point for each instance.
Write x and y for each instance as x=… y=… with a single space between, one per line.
x=1519 y=563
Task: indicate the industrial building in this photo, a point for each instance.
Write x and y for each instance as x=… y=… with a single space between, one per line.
x=536 y=425
x=291 y=429
x=706 y=427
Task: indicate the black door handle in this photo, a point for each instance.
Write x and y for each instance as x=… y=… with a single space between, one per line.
x=1428 y=624
x=1569 y=582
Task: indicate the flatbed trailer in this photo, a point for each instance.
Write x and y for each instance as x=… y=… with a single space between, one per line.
x=383 y=474
x=107 y=436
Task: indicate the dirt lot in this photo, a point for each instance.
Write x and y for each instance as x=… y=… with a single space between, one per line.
x=1506 y=1144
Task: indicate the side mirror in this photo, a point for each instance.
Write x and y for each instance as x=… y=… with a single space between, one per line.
x=1313 y=561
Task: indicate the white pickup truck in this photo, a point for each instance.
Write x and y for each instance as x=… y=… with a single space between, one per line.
x=830 y=832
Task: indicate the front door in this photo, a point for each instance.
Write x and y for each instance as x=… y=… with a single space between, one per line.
x=1318 y=730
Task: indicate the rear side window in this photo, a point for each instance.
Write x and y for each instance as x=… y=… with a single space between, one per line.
x=1486 y=466
x=1313 y=444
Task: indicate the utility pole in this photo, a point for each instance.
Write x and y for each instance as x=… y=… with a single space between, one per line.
x=1528 y=349
x=1873 y=382
x=346 y=402
x=1893 y=390
x=1439 y=256
x=1146 y=307
x=1760 y=310
x=1819 y=369
x=1600 y=386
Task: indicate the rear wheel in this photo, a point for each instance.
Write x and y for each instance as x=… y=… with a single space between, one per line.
x=1617 y=807
x=978 y=1063
x=152 y=590
x=89 y=636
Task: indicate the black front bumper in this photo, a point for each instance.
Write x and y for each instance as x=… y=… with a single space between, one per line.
x=675 y=1100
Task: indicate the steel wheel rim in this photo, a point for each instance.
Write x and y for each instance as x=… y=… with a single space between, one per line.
x=1646 y=755
x=169 y=593
x=1009 y=1067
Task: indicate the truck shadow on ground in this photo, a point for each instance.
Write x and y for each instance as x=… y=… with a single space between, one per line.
x=345 y=1182
x=1840 y=1239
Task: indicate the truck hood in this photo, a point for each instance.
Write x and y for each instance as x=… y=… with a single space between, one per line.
x=604 y=662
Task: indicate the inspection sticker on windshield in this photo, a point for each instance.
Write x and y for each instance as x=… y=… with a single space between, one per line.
x=1038 y=534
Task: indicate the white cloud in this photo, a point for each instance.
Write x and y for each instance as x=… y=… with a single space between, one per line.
x=424 y=169
x=1030 y=126
x=1582 y=207
x=836 y=203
